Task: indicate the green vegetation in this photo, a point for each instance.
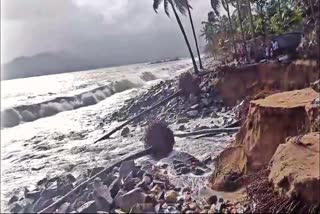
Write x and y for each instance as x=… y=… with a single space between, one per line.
x=250 y=20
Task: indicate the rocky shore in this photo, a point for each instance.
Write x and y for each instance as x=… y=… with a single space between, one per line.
x=257 y=163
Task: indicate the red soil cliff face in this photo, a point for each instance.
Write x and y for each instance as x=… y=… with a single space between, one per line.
x=269 y=122
x=259 y=80
x=295 y=168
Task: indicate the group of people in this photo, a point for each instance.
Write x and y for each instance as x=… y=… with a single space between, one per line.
x=247 y=53
x=272 y=49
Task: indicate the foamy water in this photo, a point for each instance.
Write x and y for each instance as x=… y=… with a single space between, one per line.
x=66 y=111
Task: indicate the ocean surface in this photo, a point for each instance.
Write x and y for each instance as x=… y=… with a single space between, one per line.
x=60 y=117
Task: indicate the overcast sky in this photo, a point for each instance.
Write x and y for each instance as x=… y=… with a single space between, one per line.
x=100 y=30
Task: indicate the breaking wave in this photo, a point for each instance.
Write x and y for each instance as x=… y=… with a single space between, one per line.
x=26 y=113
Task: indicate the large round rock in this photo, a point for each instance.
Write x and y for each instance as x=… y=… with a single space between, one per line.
x=160 y=138
x=189 y=84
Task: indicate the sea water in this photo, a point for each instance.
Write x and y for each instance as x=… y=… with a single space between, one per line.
x=60 y=117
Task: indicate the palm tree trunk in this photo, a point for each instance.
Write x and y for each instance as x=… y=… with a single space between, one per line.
x=263 y=26
x=312 y=11
x=251 y=23
x=241 y=29
x=279 y=10
x=226 y=7
x=194 y=35
x=185 y=38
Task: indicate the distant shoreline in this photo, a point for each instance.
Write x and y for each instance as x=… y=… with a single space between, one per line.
x=51 y=63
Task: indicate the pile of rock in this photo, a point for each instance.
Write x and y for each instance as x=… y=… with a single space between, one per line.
x=188 y=106
x=129 y=188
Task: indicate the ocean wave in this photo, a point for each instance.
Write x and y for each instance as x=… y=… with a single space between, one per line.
x=14 y=116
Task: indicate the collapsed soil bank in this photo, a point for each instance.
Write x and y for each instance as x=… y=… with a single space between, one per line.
x=259 y=80
x=268 y=124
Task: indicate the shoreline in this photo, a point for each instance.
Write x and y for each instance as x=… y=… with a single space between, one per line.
x=138 y=130
x=208 y=111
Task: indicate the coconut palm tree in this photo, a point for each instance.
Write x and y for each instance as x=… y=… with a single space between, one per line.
x=251 y=22
x=181 y=6
x=225 y=5
x=194 y=33
x=238 y=7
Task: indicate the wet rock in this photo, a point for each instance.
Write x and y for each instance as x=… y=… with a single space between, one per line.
x=41 y=203
x=316 y=86
x=48 y=193
x=13 y=199
x=108 y=179
x=205 y=211
x=171 y=196
x=193 y=206
x=15 y=207
x=101 y=203
x=182 y=120
x=207 y=160
x=182 y=128
x=126 y=167
x=129 y=184
x=89 y=207
x=161 y=196
x=156 y=189
x=140 y=173
x=205 y=101
x=160 y=138
x=198 y=171
x=143 y=208
x=119 y=211
x=35 y=195
x=194 y=107
x=147 y=179
x=213 y=209
x=42 y=182
x=214 y=114
x=193 y=113
x=193 y=99
x=205 y=113
x=189 y=84
x=184 y=170
x=212 y=199
x=128 y=200
x=114 y=187
x=175 y=162
x=101 y=191
x=64 y=208
x=125 y=131
x=142 y=185
x=179 y=165
x=186 y=189
x=161 y=184
x=71 y=178
x=201 y=128
x=27 y=206
x=164 y=166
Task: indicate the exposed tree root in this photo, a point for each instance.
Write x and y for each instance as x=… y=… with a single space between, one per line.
x=263 y=199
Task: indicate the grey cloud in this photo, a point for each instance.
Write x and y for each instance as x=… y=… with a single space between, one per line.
x=100 y=31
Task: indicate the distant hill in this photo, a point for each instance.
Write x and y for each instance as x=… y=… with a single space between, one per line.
x=44 y=64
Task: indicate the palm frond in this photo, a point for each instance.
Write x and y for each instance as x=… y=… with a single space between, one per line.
x=211 y=16
x=156 y=4
x=215 y=6
x=181 y=5
x=166 y=7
